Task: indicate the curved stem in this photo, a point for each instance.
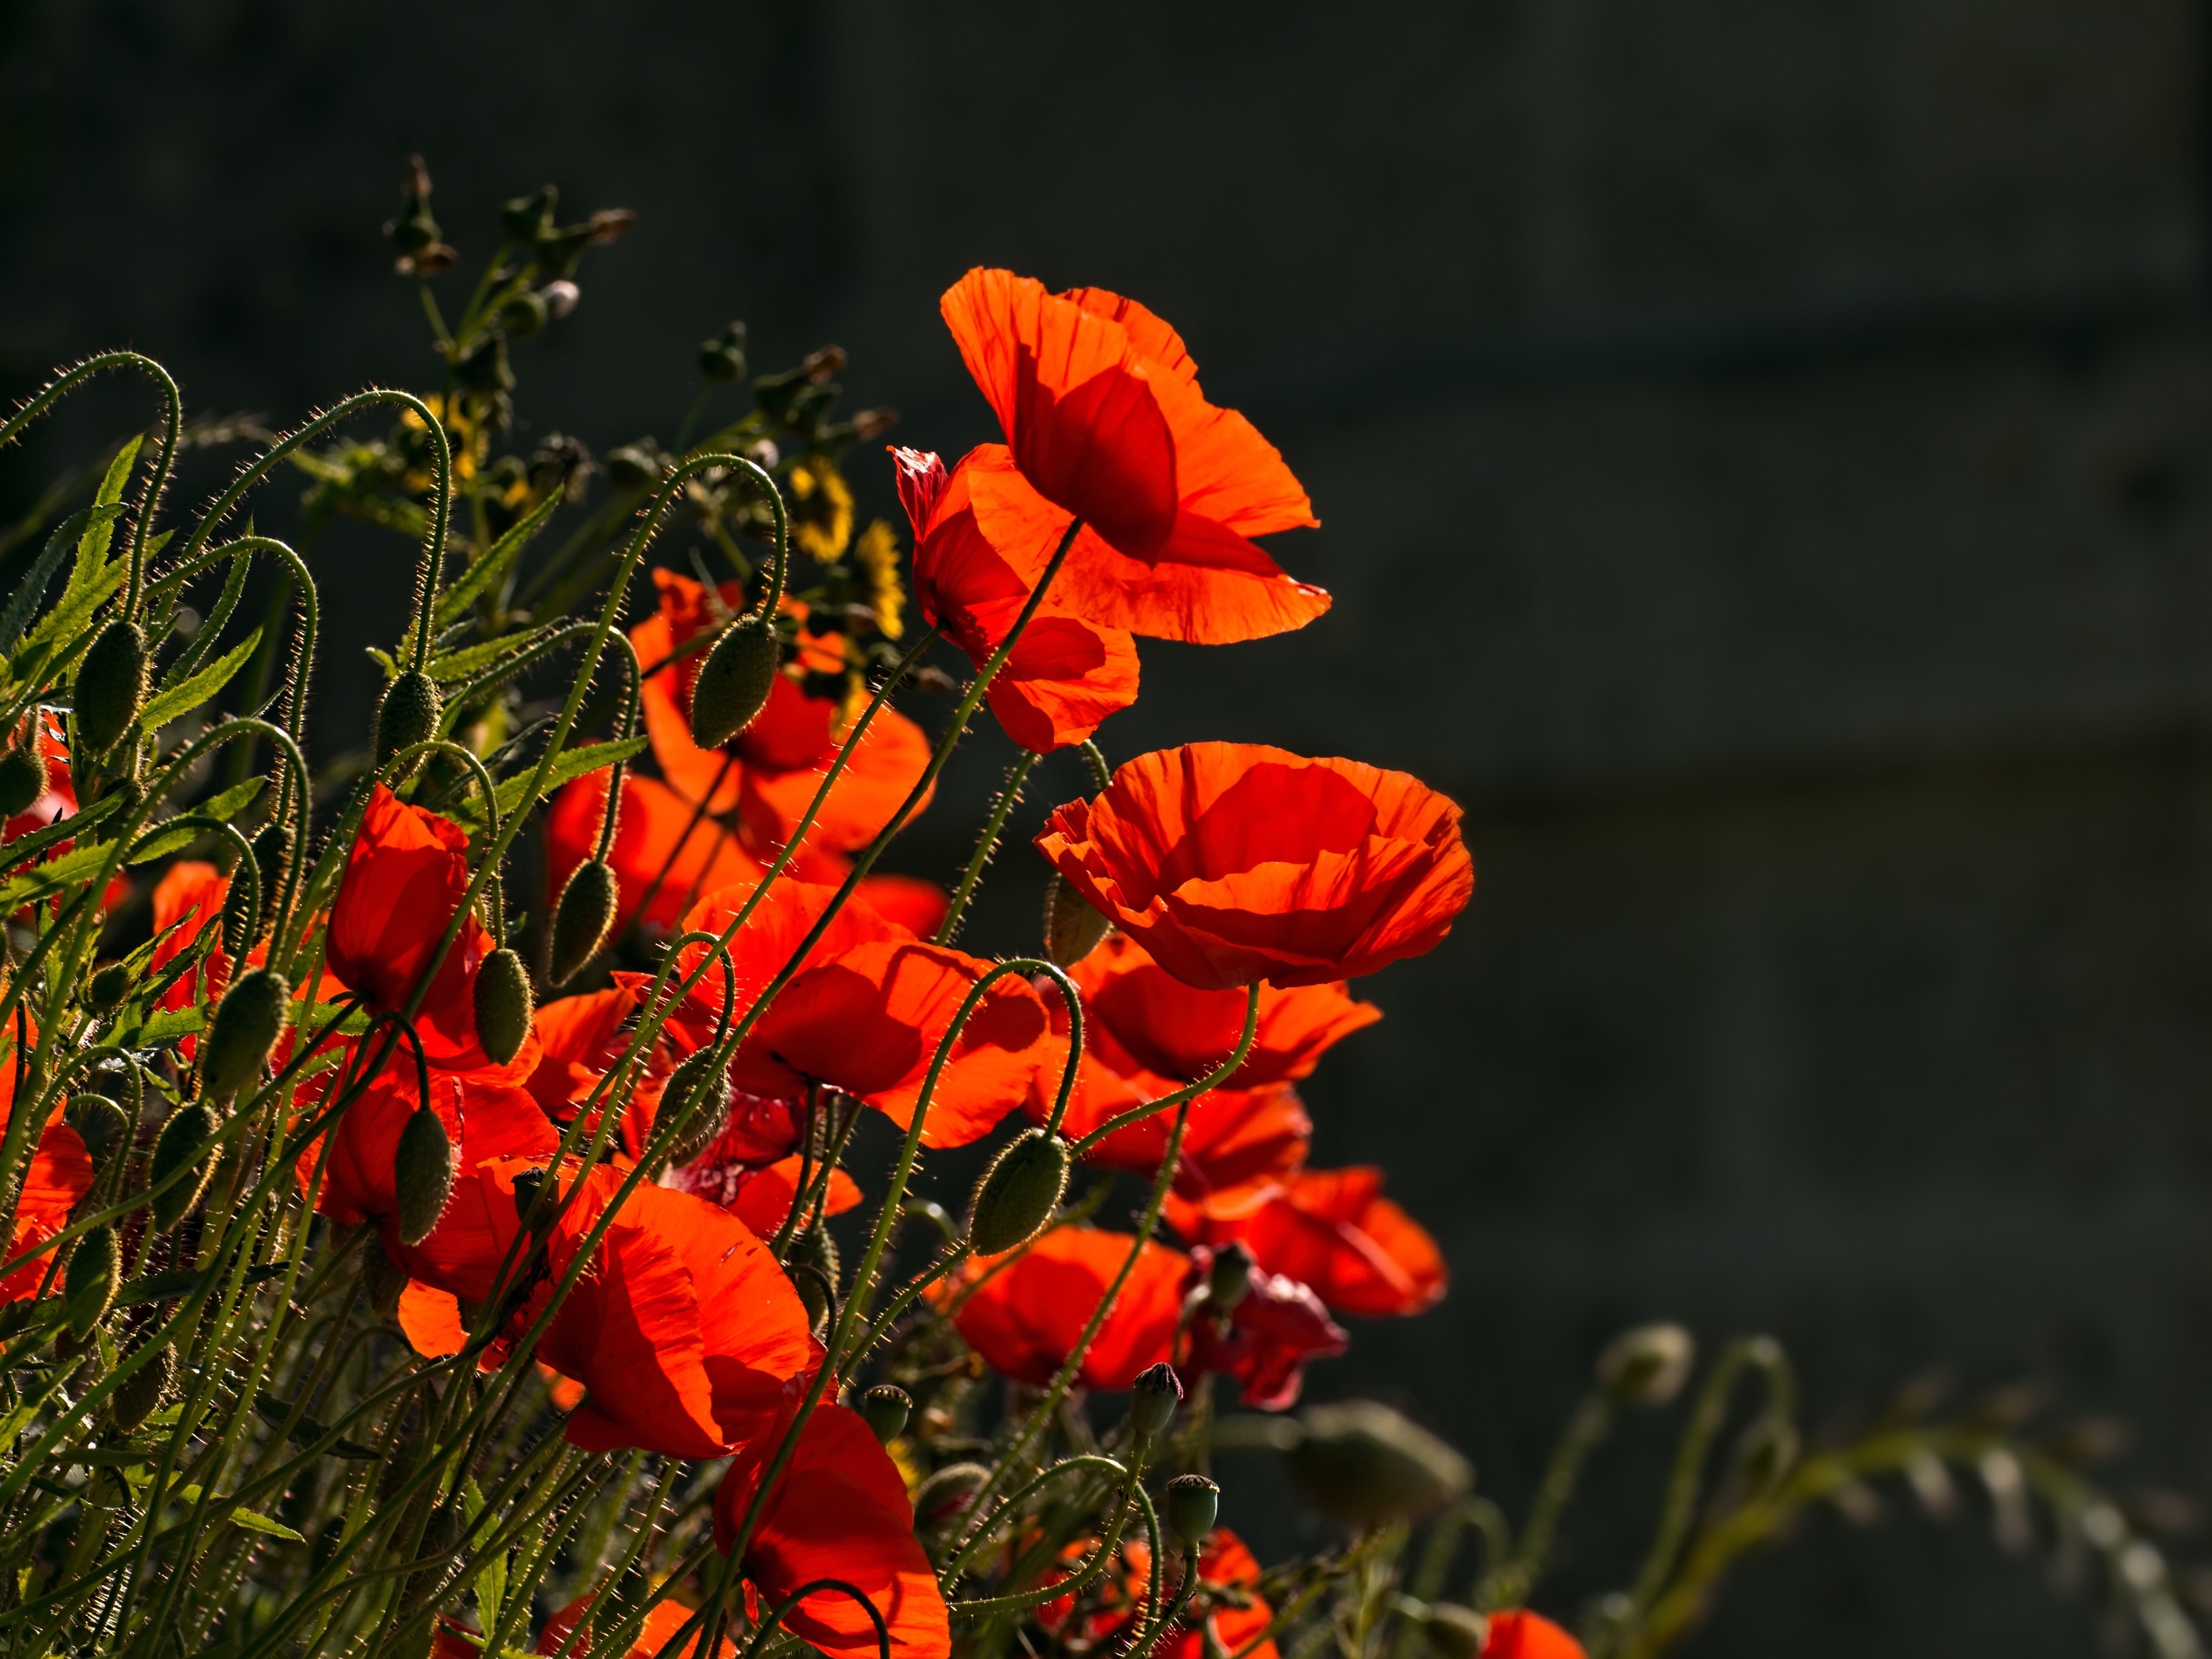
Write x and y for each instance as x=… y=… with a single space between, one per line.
x=1189 y=1091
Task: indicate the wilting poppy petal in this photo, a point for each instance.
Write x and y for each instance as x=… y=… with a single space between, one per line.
x=1331 y=1229
x=1270 y=1334
x=1233 y=863
x=1024 y=1312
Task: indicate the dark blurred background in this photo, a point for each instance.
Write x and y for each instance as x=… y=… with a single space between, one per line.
x=1763 y=450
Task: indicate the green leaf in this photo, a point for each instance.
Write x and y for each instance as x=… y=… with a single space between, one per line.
x=44 y=880
x=455 y=602
x=100 y=531
x=172 y=701
x=161 y=1027
x=29 y=847
x=570 y=764
x=453 y=666
x=25 y=599
x=158 y=843
x=245 y=1518
x=491 y=1578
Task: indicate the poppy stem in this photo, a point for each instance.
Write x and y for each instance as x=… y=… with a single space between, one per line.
x=1189 y=1091
x=987 y=844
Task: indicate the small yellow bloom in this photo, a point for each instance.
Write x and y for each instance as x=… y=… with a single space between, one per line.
x=877 y=552
x=822 y=510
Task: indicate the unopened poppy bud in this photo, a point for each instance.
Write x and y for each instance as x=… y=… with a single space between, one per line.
x=1229 y=1279
x=237 y=924
x=407 y=716
x=22 y=780
x=383 y=1281
x=734 y=681
x=722 y=359
x=1454 y=1632
x=583 y=918
x=525 y=314
x=1363 y=1464
x=135 y=1396
x=422 y=1175
x=948 y=1492
x=1153 y=1398
x=1648 y=1365
x=636 y=466
x=182 y=1145
x=885 y=1409
x=247 y=1023
x=503 y=1005
x=272 y=856
x=95 y=1272
x=109 y=985
x=1192 y=1503
x=525 y=218
x=528 y=1183
x=1767 y=1451
x=1018 y=1193
x=101 y=1124
x=1073 y=925
x=111 y=686
x=699 y=1086
x=484 y=367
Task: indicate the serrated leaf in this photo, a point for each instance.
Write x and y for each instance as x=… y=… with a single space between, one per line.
x=385 y=660
x=24 y=601
x=232 y=801
x=43 y=881
x=455 y=602
x=570 y=764
x=100 y=531
x=465 y=664
x=30 y=846
x=170 y=702
x=162 y=1027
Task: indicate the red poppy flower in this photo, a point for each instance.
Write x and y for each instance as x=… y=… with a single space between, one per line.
x=188 y=899
x=1232 y=863
x=1023 y=1312
x=866 y=1011
x=60 y=1175
x=408 y=871
x=1331 y=1229
x=657 y=1632
x=1518 y=1633
x=769 y=772
x=979 y=548
x=916 y=905
x=1267 y=1338
x=839 y=1511
x=1099 y=401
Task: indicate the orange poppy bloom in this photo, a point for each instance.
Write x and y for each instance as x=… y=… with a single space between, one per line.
x=839 y=1511
x=1024 y=1317
x=1099 y=401
x=658 y=1631
x=978 y=551
x=769 y=772
x=1332 y=1229
x=404 y=880
x=1518 y=1633
x=1233 y=863
x=1267 y=1339
x=865 y=1012
x=60 y=1174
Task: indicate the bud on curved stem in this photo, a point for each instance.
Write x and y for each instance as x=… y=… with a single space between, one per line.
x=134 y=1401
x=735 y=680
x=504 y=1005
x=182 y=1145
x=111 y=685
x=96 y=1273
x=1018 y=1193
x=1074 y=926
x=583 y=918
x=247 y=1023
x=700 y=1085
x=422 y=1174
x=1153 y=1398
x=22 y=780
x=407 y=716
x=1192 y=1503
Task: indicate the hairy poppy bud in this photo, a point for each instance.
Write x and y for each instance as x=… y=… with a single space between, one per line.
x=1192 y=1503
x=135 y=1396
x=422 y=1175
x=734 y=681
x=247 y=1023
x=1073 y=926
x=182 y=1145
x=407 y=716
x=1362 y=1464
x=101 y=1124
x=885 y=1408
x=109 y=985
x=503 y=1005
x=1648 y=1365
x=382 y=1280
x=702 y=1078
x=1230 y=1280
x=525 y=314
x=22 y=780
x=95 y=1272
x=527 y=217
x=582 y=918
x=948 y=1492
x=237 y=926
x=1454 y=1632
x=1153 y=1398
x=1018 y=1193
x=272 y=857
x=818 y=1290
x=111 y=686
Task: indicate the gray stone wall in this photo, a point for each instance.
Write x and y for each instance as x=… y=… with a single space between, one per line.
x=1762 y=449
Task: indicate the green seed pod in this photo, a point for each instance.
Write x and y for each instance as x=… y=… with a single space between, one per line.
x=1363 y=1464
x=1229 y=1279
x=1073 y=926
x=1153 y=1398
x=407 y=716
x=1648 y=1365
x=109 y=985
x=422 y=1174
x=700 y=1075
x=1192 y=1503
x=101 y=1124
x=111 y=686
x=503 y=1005
x=524 y=315
x=247 y=1023
x=1018 y=1193
x=22 y=780
x=96 y=1273
x=583 y=918
x=135 y=1396
x=1454 y=1632
x=734 y=681
x=885 y=1409
x=947 y=1493
x=182 y=1145
x=272 y=856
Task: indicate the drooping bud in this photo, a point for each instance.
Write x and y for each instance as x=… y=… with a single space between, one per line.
x=1192 y=1503
x=111 y=686
x=1648 y=1365
x=1454 y=1632
x=407 y=716
x=734 y=681
x=816 y=1252
x=1362 y=1464
x=22 y=780
x=1018 y=1193
x=422 y=1173
x=503 y=1005
x=702 y=1078
x=885 y=1409
x=1153 y=1398
x=101 y=1124
x=947 y=1493
x=272 y=856
x=1073 y=926
x=583 y=918
x=484 y=366
x=182 y=1145
x=639 y=466
x=238 y=926
x=135 y=1396
x=96 y=1273
x=109 y=985
x=1229 y=1279
x=247 y=1023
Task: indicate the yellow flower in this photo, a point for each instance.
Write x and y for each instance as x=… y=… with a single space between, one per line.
x=877 y=553
x=822 y=509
